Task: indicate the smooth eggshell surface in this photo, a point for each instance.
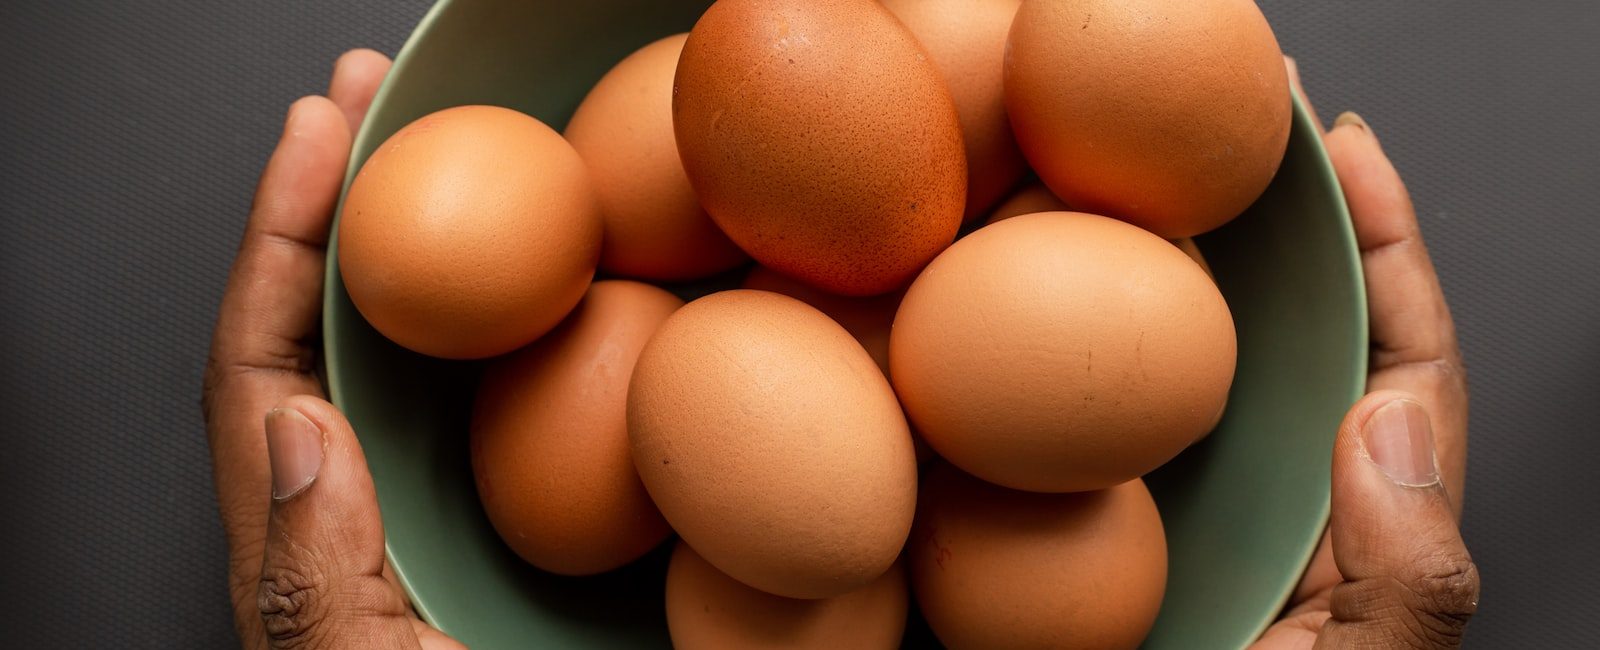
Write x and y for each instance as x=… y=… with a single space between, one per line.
x=822 y=139
x=967 y=40
x=654 y=225
x=707 y=610
x=773 y=444
x=1169 y=114
x=469 y=233
x=550 y=437
x=1061 y=351
x=997 y=568
x=867 y=319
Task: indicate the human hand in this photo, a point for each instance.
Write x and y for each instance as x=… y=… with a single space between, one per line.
x=305 y=541
x=1393 y=571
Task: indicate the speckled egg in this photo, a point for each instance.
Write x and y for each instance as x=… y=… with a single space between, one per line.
x=822 y=139
x=967 y=40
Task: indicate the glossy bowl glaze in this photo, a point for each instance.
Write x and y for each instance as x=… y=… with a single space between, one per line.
x=1244 y=509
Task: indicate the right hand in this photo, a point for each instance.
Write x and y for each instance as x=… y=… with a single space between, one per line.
x=1393 y=571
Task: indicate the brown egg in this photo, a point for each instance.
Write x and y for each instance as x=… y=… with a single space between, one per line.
x=867 y=319
x=967 y=41
x=1059 y=351
x=707 y=609
x=469 y=233
x=1034 y=197
x=1170 y=114
x=550 y=437
x=654 y=225
x=821 y=139
x=773 y=444
x=996 y=568
x=1189 y=248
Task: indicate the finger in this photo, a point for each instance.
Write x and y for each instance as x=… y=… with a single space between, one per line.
x=322 y=579
x=432 y=639
x=1414 y=344
x=262 y=348
x=1299 y=89
x=1409 y=581
x=356 y=77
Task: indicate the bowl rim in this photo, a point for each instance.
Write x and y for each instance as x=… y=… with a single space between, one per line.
x=1303 y=121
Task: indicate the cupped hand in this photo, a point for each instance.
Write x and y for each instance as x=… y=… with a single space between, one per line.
x=305 y=541
x=1393 y=571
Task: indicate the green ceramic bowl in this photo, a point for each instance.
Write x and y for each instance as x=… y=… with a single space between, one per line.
x=1243 y=509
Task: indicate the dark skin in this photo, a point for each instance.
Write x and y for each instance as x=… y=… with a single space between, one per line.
x=307 y=565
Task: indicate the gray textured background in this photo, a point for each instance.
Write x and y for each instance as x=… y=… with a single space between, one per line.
x=131 y=134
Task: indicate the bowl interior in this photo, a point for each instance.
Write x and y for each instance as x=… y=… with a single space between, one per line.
x=1243 y=510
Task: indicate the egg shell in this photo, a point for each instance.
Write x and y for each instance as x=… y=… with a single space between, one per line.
x=469 y=233
x=822 y=139
x=997 y=568
x=967 y=41
x=1033 y=197
x=1169 y=114
x=1060 y=351
x=549 y=437
x=654 y=225
x=708 y=610
x=1192 y=249
x=867 y=319
x=773 y=444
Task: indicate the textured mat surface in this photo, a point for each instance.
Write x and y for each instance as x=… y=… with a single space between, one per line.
x=131 y=134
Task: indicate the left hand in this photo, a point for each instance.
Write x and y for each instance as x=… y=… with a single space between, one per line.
x=305 y=540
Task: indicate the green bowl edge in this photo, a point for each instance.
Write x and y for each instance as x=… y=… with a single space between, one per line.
x=1304 y=122
x=331 y=278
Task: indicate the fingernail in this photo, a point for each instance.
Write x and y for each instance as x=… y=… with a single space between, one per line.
x=1351 y=119
x=294 y=447
x=1399 y=439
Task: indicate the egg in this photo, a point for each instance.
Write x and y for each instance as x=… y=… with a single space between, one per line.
x=1170 y=114
x=822 y=139
x=967 y=41
x=469 y=233
x=708 y=610
x=1034 y=197
x=867 y=319
x=1059 y=351
x=996 y=568
x=549 y=437
x=654 y=225
x=1192 y=249
x=773 y=444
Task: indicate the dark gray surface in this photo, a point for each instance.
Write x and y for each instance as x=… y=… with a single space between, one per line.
x=131 y=134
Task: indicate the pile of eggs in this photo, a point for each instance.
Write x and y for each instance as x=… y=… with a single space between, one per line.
x=940 y=380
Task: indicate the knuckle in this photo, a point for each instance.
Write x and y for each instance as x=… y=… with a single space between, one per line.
x=288 y=603
x=1443 y=598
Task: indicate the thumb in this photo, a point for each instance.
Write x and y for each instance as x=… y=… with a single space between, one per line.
x=322 y=582
x=1408 y=579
